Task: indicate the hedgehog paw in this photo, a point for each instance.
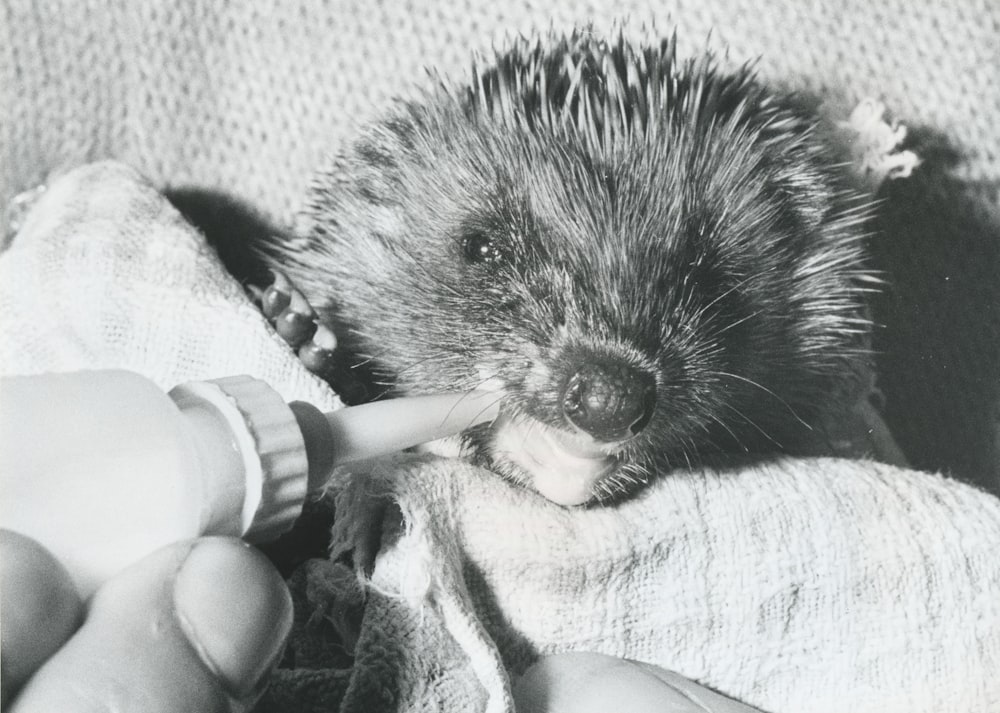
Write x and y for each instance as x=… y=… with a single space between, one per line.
x=295 y=321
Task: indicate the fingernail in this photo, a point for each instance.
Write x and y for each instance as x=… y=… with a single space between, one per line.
x=281 y=281
x=235 y=610
x=255 y=294
x=300 y=305
x=317 y=353
x=294 y=328
x=277 y=296
x=274 y=301
x=324 y=338
x=315 y=358
x=297 y=322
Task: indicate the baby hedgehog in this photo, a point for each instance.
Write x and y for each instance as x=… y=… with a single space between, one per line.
x=649 y=261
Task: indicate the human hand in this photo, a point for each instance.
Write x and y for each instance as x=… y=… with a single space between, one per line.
x=596 y=683
x=196 y=626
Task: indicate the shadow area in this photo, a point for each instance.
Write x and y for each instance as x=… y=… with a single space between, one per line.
x=937 y=241
x=231 y=226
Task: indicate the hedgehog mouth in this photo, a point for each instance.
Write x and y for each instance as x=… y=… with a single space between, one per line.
x=562 y=466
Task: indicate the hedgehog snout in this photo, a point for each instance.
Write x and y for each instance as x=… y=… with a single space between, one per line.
x=609 y=399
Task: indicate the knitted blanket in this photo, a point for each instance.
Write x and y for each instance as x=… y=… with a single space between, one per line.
x=820 y=585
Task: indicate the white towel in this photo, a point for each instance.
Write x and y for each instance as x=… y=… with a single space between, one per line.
x=104 y=273
x=823 y=586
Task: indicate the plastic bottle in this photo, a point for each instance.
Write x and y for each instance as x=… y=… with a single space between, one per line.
x=103 y=468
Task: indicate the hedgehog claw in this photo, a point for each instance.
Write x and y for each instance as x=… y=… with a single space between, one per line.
x=316 y=359
x=273 y=302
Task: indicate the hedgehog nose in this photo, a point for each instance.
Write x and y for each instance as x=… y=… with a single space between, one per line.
x=611 y=400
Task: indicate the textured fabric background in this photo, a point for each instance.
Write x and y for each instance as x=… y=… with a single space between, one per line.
x=247 y=98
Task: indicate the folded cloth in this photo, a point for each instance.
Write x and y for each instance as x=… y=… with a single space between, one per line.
x=104 y=273
x=797 y=584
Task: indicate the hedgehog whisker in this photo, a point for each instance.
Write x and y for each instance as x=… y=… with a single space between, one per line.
x=432 y=357
x=767 y=391
x=443 y=354
x=753 y=423
x=487 y=407
x=687 y=458
x=738 y=322
x=730 y=291
x=730 y=431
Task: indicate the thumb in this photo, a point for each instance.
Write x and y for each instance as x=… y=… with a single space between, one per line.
x=195 y=626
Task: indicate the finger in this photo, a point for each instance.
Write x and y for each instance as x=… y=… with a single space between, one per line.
x=195 y=627
x=595 y=683
x=40 y=608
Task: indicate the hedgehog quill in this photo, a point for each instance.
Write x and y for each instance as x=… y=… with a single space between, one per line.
x=651 y=261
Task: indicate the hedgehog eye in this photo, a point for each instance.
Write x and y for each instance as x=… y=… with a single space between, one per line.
x=481 y=248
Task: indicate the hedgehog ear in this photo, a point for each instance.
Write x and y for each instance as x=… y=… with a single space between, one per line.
x=389 y=140
x=806 y=187
x=377 y=156
x=381 y=148
x=810 y=172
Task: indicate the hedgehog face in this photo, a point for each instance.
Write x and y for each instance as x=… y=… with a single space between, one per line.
x=638 y=293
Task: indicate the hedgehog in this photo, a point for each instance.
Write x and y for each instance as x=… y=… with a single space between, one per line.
x=651 y=262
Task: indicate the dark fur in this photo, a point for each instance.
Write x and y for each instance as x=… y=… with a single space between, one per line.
x=589 y=198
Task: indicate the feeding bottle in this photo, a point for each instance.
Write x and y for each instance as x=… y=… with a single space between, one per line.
x=103 y=467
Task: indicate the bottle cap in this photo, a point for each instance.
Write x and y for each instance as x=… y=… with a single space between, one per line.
x=270 y=445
